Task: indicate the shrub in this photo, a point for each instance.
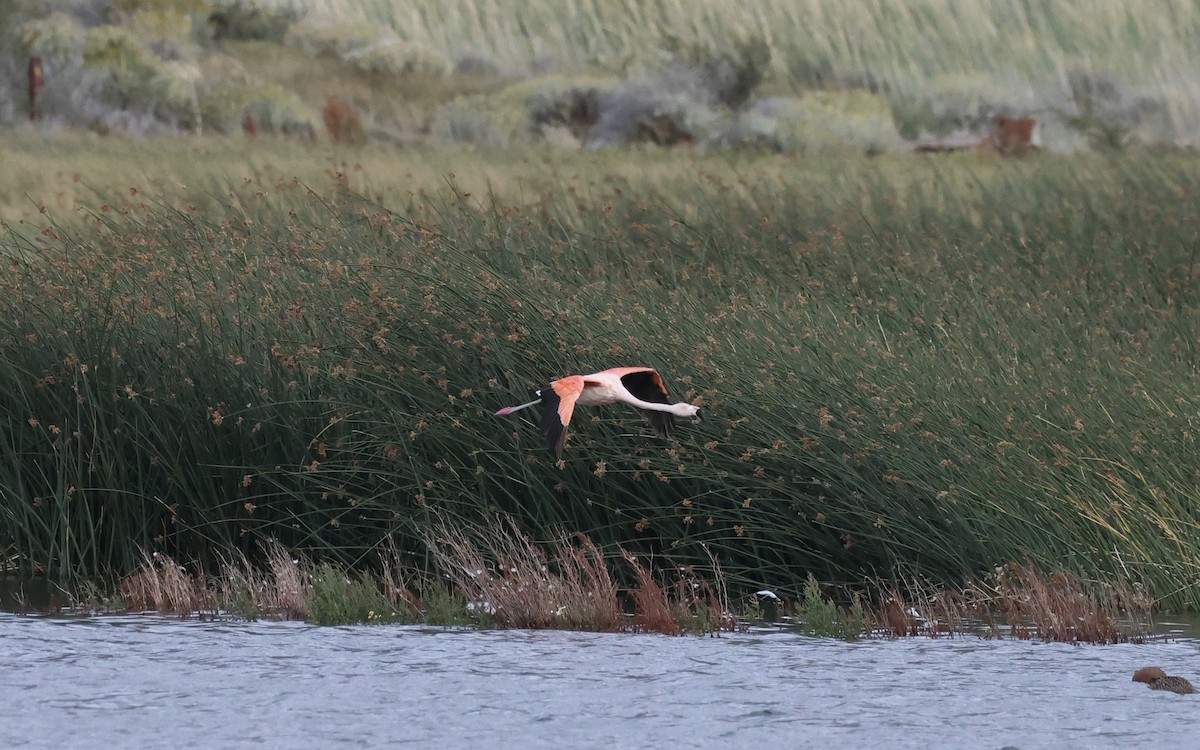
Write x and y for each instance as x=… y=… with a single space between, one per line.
x=577 y=110
x=556 y=109
x=104 y=77
x=238 y=19
x=472 y=64
x=57 y=39
x=954 y=102
x=1013 y=136
x=225 y=90
x=648 y=112
x=484 y=120
x=392 y=56
x=571 y=102
x=343 y=598
x=820 y=122
x=823 y=617
x=752 y=130
x=1104 y=112
x=129 y=68
x=167 y=34
x=324 y=36
x=273 y=109
x=730 y=71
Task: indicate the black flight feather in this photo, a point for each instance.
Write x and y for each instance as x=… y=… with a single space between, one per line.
x=647 y=386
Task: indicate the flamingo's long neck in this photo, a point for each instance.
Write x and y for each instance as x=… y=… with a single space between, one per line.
x=671 y=408
x=510 y=409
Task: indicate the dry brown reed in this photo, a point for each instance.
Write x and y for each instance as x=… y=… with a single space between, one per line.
x=505 y=578
x=283 y=591
x=1058 y=607
x=917 y=608
x=396 y=581
x=510 y=578
x=652 y=609
x=505 y=574
x=1018 y=601
x=510 y=581
x=163 y=585
x=702 y=604
x=249 y=126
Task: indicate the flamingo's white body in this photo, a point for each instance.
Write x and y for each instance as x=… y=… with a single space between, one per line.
x=641 y=387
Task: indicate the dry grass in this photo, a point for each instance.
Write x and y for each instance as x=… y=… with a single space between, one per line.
x=652 y=608
x=163 y=585
x=283 y=590
x=504 y=579
x=501 y=576
x=1058 y=607
x=68 y=176
x=509 y=577
x=397 y=580
x=924 y=611
x=1018 y=602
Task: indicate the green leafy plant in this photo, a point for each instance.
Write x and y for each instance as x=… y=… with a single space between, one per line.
x=821 y=616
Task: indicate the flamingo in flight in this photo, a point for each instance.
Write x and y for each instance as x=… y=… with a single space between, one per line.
x=641 y=387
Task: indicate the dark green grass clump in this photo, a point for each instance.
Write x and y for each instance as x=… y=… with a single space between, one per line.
x=933 y=368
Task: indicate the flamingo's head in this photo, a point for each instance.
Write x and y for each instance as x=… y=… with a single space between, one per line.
x=688 y=410
x=1148 y=674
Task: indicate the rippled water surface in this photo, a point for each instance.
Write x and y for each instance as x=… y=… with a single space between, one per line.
x=148 y=681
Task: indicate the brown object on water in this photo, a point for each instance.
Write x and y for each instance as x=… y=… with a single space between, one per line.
x=1156 y=679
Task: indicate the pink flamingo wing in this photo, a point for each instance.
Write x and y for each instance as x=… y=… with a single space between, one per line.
x=558 y=404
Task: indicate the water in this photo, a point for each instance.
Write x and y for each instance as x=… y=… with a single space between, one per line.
x=149 y=681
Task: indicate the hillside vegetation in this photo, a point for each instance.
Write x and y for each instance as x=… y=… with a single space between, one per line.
x=806 y=77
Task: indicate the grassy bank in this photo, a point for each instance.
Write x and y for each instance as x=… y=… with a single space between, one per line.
x=911 y=367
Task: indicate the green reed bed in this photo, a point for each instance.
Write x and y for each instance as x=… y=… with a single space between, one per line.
x=908 y=367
